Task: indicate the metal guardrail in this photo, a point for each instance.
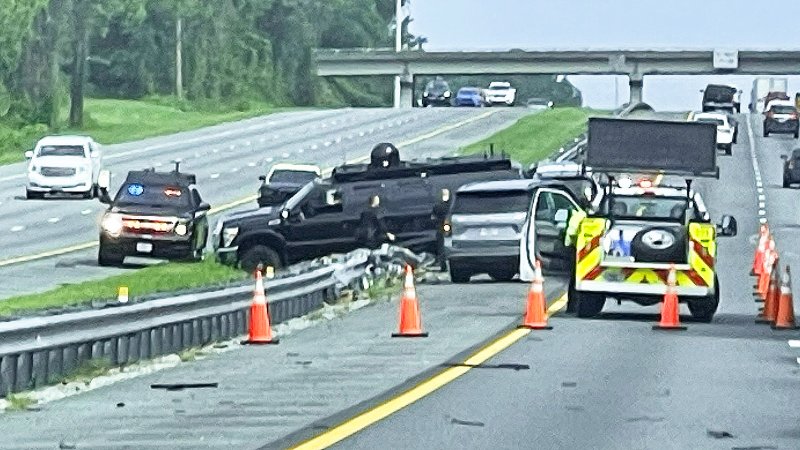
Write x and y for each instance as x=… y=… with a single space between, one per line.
x=42 y=350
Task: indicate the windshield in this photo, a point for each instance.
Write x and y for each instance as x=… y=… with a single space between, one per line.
x=467 y=91
x=498 y=88
x=492 y=202
x=783 y=109
x=436 y=86
x=62 y=150
x=717 y=122
x=647 y=207
x=292 y=176
x=158 y=196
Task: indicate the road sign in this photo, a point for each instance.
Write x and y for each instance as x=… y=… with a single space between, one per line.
x=726 y=59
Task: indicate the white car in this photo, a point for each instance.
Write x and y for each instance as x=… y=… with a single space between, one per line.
x=501 y=92
x=725 y=131
x=63 y=164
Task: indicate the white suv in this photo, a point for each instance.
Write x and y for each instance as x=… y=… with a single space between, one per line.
x=63 y=164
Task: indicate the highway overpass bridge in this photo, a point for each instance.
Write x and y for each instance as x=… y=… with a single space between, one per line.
x=636 y=64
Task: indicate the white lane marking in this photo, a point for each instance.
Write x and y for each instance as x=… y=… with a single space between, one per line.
x=762 y=212
x=350 y=136
x=86 y=212
x=314 y=146
x=158 y=164
x=216 y=150
x=762 y=197
x=54 y=219
x=361 y=133
x=262 y=140
x=276 y=136
x=324 y=125
x=251 y=164
x=390 y=124
x=271 y=122
x=17 y=228
x=794 y=343
x=338 y=140
x=270 y=159
x=231 y=147
x=214 y=176
x=285 y=155
x=301 y=151
x=327 y=143
x=234 y=170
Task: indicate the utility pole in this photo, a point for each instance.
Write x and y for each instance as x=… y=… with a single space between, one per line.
x=79 y=70
x=179 y=58
x=398 y=45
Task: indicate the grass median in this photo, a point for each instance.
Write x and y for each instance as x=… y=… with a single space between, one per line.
x=536 y=136
x=111 y=121
x=530 y=139
x=158 y=278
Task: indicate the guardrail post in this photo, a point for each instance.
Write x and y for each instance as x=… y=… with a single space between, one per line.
x=133 y=348
x=122 y=350
x=70 y=359
x=24 y=372
x=39 y=369
x=55 y=364
x=8 y=372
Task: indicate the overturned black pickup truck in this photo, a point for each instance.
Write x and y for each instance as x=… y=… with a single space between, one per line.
x=359 y=206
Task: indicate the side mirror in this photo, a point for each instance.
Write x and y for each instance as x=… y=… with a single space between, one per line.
x=202 y=208
x=728 y=226
x=562 y=216
x=262 y=178
x=104 y=179
x=29 y=154
x=285 y=214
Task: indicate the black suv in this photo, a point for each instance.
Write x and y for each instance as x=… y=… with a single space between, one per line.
x=437 y=93
x=781 y=118
x=791 y=168
x=155 y=215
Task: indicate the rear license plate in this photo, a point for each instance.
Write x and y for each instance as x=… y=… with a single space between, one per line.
x=144 y=247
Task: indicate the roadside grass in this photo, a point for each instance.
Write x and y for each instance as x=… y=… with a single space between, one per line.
x=537 y=136
x=166 y=277
x=89 y=370
x=111 y=121
x=19 y=402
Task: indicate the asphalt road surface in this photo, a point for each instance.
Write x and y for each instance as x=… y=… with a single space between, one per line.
x=227 y=160
x=613 y=383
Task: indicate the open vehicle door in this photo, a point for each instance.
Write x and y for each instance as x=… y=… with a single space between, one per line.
x=545 y=232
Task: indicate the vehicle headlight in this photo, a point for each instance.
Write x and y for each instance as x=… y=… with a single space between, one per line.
x=181 y=229
x=447 y=93
x=425 y=94
x=112 y=224
x=228 y=235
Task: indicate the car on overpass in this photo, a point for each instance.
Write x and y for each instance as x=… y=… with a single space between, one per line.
x=726 y=132
x=436 y=93
x=781 y=117
x=471 y=96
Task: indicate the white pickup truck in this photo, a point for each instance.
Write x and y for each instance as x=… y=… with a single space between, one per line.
x=501 y=92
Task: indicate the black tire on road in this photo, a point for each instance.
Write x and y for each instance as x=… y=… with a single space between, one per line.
x=30 y=195
x=672 y=254
x=589 y=304
x=105 y=259
x=797 y=134
x=728 y=149
x=502 y=274
x=704 y=310
x=786 y=183
x=259 y=254
x=457 y=274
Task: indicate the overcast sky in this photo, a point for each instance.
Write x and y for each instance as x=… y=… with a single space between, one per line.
x=616 y=24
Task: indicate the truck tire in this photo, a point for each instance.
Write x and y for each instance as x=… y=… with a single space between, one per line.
x=704 y=310
x=766 y=130
x=502 y=274
x=589 y=304
x=729 y=149
x=796 y=134
x=259 y=254
x=458 y=274
x=106 y=259
x=31 y=195
x=786 y=183
x=644 y=249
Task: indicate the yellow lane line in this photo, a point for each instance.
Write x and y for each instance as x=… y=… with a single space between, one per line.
x=391 y=406
x=241 y=201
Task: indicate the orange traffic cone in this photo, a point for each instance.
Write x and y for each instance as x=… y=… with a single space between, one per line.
x=670 y=310
x=259 y=328
x=770 y=311
x=770 y=256
x=410 y=320
x=759 y=255
x=536 y=308
x=785 y=318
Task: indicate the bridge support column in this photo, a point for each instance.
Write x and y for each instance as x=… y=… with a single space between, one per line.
x=404 y=97
x=636 y=83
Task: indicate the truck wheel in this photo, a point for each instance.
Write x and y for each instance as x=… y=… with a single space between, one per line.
x=503 y=275
x=728 y=149
x=31 y=195
x=106 y=259
x=703 y=310
x=259 y=254
x=652 y=245
x=786 y=183
x=766 y=131
x=457 y=274
x=590 y=304
x=796 y=134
